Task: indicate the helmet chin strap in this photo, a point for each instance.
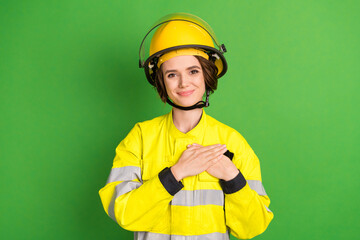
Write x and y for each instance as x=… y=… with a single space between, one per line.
x=199 y=104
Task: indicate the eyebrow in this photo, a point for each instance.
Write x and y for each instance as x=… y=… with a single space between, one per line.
x=167 y=71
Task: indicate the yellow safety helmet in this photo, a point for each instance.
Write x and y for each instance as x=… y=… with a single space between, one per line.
x=180 y=34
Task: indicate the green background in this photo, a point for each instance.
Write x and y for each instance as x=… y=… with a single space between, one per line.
x=71 y=90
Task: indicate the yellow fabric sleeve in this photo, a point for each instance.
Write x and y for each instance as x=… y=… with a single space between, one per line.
x=246 y=212
x=136 y=205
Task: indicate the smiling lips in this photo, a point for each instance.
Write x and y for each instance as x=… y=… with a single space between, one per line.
x=185 y=93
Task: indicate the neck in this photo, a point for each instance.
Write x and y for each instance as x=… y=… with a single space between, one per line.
x=184 y=121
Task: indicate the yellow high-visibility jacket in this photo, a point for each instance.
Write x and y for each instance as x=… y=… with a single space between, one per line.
x=142 y=195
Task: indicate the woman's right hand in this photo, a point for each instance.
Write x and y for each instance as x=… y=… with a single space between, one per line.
x=196 y=159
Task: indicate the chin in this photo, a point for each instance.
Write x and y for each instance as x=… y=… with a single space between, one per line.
x=186 y=103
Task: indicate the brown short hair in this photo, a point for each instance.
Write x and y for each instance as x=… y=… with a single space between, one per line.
x=210 y=76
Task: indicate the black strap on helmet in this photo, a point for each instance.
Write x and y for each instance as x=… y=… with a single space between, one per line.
x=199 y=104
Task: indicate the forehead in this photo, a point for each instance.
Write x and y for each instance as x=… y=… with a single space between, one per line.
x=180 y=62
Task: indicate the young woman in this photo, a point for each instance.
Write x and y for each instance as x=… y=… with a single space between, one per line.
x=185 y=175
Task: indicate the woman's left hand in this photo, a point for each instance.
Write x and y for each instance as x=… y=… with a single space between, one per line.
x=224 y=169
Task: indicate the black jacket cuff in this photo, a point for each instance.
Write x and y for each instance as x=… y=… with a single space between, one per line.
x=229 y=154
x=234 y=184
x=169 y=181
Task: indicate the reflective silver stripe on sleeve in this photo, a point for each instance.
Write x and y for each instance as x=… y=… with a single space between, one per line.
x=267 y=208
x=257 y=186
x=121 y=189
x=127 y=173
x=198 y=197
x=159 y=236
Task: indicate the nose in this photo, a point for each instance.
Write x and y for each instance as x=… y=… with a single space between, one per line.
x=183 y=81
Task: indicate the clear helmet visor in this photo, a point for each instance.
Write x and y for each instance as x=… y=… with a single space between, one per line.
x=144 y=51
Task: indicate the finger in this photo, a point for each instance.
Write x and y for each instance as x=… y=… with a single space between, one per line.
x=199 y=145
x=216 y=151
x=213 y=153
x=216 y=159
x=194 y=145
x=210 y=147
x=212 y=162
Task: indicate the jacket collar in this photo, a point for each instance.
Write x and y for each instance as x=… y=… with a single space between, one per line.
x=196 y=133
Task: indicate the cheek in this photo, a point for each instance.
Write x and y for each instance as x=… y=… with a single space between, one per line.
x=169 y=85
x=200 y=82
x=199 y=79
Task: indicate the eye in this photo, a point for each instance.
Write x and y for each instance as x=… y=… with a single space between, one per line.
x=194 y=71
x=171 y=75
